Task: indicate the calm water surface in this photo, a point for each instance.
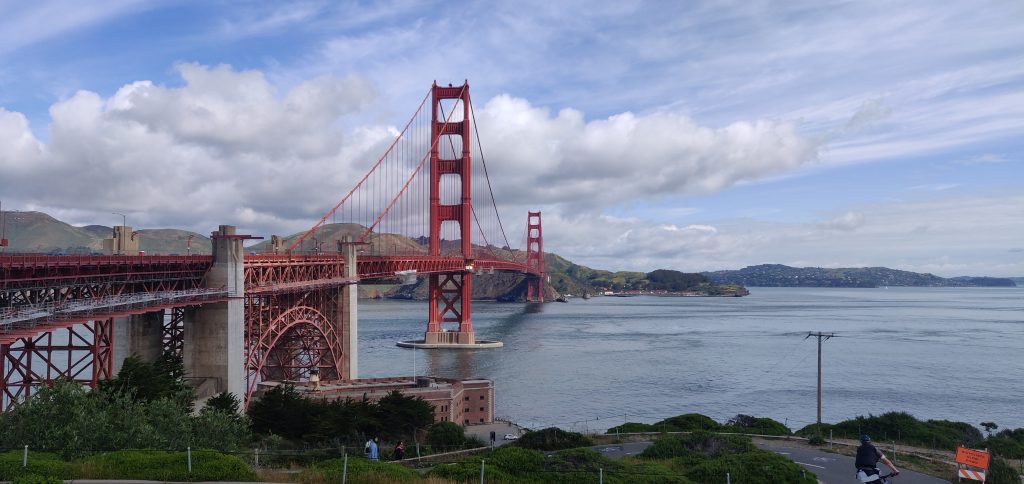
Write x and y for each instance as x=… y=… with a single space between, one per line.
x=938 y=353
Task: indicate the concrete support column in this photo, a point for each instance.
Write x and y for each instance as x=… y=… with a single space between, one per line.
x=214 y=334
x=139 y=335
x=348 y=313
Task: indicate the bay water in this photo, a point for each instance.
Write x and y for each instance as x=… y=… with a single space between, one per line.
x=587 y=365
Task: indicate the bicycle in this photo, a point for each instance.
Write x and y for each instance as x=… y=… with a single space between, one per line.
x=878 y=478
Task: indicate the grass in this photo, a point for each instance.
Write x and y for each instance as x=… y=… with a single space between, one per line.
x=207 y=465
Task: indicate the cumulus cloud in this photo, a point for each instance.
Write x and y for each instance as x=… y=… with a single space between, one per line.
x=228 y=147
x=223 y=148
x=564 y=159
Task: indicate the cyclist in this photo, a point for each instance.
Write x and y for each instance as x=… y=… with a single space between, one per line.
x=867 y=461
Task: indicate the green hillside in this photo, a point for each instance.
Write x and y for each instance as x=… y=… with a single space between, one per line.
x=37 y=232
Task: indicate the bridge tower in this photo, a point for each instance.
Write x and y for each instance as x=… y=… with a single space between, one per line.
x=449 y=294
x=534 y=257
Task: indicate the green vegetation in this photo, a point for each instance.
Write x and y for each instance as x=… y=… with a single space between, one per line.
x=699 y=457
x=165 y=466
x=904 y=428
x=552 y=438
x=283 y=412
x=40 y=464
x=1007 y=443
x=447 y=436
x=999 y=472
x=512 y=464
x=777 y=275
x=746 y=424
x=707 y=457
x=664 y=279
x=207 y=465
x=74 y=422
x=740 y=424
x=359 y=470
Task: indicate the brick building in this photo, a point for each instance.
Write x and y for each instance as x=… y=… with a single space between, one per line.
x=466 y=402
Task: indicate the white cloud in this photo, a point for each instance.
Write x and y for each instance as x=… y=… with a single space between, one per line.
x=847 y=222
x=223 y=148
x=948 y=237
x=227 y=147
x=562 y=159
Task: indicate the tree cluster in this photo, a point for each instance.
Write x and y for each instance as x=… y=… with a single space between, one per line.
x=145 y=407
x=675 y=281
x=283 y=412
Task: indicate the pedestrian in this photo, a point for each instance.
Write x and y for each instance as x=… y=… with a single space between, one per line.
x=400 y=450
x=374 y=450
x=366 y=448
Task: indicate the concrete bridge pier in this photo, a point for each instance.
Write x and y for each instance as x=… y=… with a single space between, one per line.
x=347 y=319
x=140 y=335
x=214 y=334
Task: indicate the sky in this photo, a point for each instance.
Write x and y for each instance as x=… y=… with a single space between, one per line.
x=694 y=136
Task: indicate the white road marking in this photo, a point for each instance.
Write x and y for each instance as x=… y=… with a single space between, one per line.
x=809 y=465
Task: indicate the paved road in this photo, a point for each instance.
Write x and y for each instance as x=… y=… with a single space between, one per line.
x=838 y=469
x=830 y=468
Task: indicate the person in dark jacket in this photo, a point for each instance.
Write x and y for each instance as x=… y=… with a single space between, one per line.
x=400 y=450
x=867 y=461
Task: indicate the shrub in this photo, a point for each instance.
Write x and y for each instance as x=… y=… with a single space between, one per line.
x=689 y=422
x=999 y=472
x=816 y=440
x=359 y=470
x=37 y=479
x=445 y=436
x=207 y=465
x=1007 y=443
x=707 y=457
x=226 y=402
x=903 y=427
x=631 y=427
x=511 y=464
x=39 y=464
x=702 y=443
x=552 y=438
x=747 y=424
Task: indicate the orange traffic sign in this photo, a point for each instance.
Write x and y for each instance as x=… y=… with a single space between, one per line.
x=973 y=458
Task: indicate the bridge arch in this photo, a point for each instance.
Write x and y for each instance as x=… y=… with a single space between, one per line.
x=298 y=339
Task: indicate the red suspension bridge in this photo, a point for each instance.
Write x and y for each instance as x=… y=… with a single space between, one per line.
x=238 y=317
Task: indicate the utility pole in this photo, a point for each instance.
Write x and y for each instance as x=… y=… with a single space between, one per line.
x=826 y=337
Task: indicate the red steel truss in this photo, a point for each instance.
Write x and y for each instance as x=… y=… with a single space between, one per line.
x=289 y=334
x=82 y=353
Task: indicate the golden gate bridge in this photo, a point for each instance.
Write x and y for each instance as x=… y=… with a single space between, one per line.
x=239 y=317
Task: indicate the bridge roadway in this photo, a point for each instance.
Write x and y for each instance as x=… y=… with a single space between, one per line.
x=43 y=292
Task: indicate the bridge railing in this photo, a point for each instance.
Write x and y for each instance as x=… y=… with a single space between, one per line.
x=31 y=316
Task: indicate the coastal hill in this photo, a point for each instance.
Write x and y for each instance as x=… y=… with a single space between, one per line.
x=37 y=232
x=777 y=275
